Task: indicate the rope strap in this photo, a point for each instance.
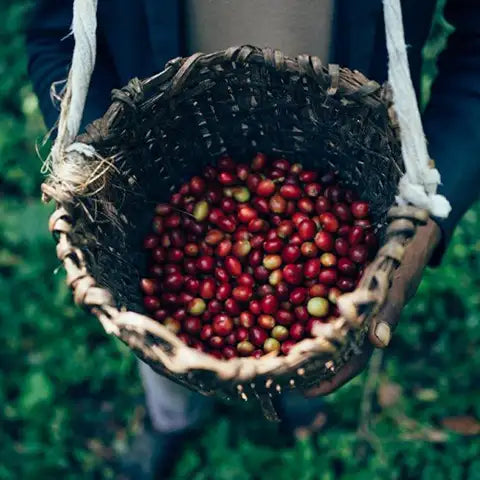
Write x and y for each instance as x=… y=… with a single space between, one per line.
x=419 y=184
x=84 y=26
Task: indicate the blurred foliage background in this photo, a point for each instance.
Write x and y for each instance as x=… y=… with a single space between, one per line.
x=70 y=397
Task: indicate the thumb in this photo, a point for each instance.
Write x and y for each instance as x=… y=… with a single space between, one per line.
x=385 y=322
x=404 y=284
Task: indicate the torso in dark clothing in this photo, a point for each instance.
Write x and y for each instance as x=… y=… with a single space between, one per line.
x=292 y=26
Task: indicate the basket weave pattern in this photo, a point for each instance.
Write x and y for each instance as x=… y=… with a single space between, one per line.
x=161 y=131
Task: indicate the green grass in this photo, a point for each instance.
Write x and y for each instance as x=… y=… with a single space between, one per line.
x=71 y=396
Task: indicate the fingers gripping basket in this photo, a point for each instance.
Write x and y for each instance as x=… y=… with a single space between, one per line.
x=161 y=131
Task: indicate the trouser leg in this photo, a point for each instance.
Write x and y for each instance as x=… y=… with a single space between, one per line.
x=172 y=408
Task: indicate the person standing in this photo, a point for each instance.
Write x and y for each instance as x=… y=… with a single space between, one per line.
x=135 y=38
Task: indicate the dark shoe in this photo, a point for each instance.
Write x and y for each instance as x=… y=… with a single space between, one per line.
x=152 y=456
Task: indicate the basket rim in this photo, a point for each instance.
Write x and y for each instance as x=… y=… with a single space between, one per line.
x=349 y=85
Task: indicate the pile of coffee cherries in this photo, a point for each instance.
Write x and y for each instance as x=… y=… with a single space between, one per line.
x=246 y=259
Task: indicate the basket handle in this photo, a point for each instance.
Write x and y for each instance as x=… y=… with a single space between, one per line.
x=84 y=26
x=418 y=186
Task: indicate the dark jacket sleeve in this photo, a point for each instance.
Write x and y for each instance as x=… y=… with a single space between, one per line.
x=452 y=118
x=49 y=49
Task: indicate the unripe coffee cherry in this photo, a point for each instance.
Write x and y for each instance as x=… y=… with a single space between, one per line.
x=200 y=211
x=278 y=204
x=280 y=333
x=245 y=348
x=172 y=324
x=309 y=249
x=266 y=321
x=197 y=306
x=241 y=194
x=272 y=262
x=271 y=345
x=328 y=260
x=247 y=319
x=317 y=307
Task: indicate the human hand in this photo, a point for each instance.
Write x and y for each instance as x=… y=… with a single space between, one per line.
x=404 y=285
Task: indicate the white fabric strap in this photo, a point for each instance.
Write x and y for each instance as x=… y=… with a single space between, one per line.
x=419 y=184
x=84 y=26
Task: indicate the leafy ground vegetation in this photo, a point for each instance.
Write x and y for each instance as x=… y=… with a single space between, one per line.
x=70 y=397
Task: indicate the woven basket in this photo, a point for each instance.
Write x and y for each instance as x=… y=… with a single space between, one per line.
x=161 y=131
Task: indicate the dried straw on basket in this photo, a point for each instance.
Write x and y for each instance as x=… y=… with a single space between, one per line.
x=160 y=131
